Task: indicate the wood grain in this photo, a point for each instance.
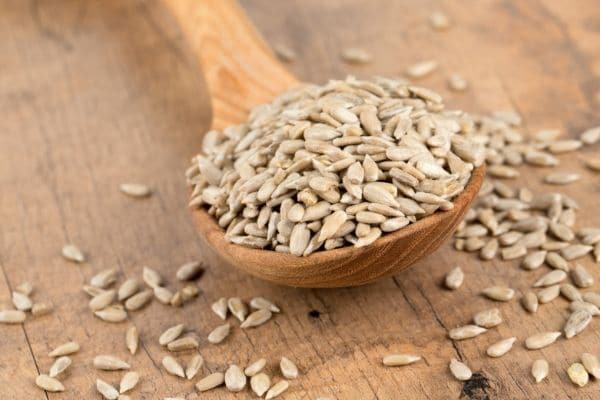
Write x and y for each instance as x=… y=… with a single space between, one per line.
x=95 y=93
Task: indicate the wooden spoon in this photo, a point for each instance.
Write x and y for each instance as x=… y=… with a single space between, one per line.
x=241 y=72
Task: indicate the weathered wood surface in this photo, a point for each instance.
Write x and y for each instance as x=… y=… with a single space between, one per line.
x=95 y=93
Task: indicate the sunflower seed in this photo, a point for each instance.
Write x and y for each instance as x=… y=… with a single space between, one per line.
x=551 y=278
x=106 y=390
x=563 y=146
x=103 y=300
x=593 y=164
x=189 y=292
x=570 y=292
x=12 y=316
x=235 y=380
x=104 y=279
x=593 y=298
x=193 y=366
x=530 y=302
x=578 y=374
x=132 y=339
x=110 y=363
x=49 y=384
x=539 y=370
x=139 y=300
x=590 y=136
x=395 y=360
x=288 y=368
x=421 y=69
x=21 y=301
x=355 y=55
x=439 y=21
x=219 y=307
x=460 y=370
x=237 y=307
x=499 y=293
x=465 y=332
x=501 y=347
x=177 y=299
x=219 y=334
x=151 y=277
x=556 y=261
x=576 y=323
x=59 y=366
x=534 y=260
x=284 y=53
x=584 y=305
x=541 y=340
x=26 y=288
x=41 y=309
x=128 y=289
x=488 y=318
x=163 y=294
x=575 y=251
x=256 y=318
x=548 y=294
x=92 y=291
x=182 y=344
x=581 y=277
x=135 y=189
x=457 y=83
x=129 y=381
x=591 y=364
x=255 y=367
x=189 y=271
x=260 y=383
x=277 y=389
x=172 y=366
x=454 y=278
x=72 y=253
x=171 y=334
x=64 y=349
x=260 y=303
x=210 y=381
x=488 y=252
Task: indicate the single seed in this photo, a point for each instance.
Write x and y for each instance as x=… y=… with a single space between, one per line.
x=499 y=293
x=575 y=251
x=534 y=260
x=591 y=364
x=284 y=53
x=189 y=292
x=171 y=334
x=237 y=308
x=182 y=344
x=460 y=370
x=163 y=294
x=235 y=380
x=64 y=349
x=111 y=314
x=210 y=382
x=21 y=301
x=488 y=318
x=288 y=368
x=421 y=69
x=172 y=366
x=354 y=55
x=570 y=292
x=103 y=300
x=132 y=339
x=548 y=294
x=60 y=365
x=454 y=278
x=193 y=366
x=466 y=332
x=106 y=390
x=139 y=300
x=540 y=369
x=104 y=279
x=260 y=383
x=128 y=289
x=576 y=323
x=584 y=305
x=578 y=374
x=110 y=363
x=256 y=318
x=457 y=83
x=395 y=360
x=49 y=384
x=512 y=252
x=541 y=340
x=551 y=278
x=260 y=303
x=151 y=277
x=219 y=333
x=581 y=277
x=592 y=297
x=556 y=261
x=26 y=288
x=590 y=136
x=138 y=190
x=277 y=389
x=439 y=21
x=41 y=309
x=561 y=178
x=255 y=367
x=72 y=253
x=530 y=302
x=501 y=347
x=129 y=381
x=219 y=307
x=189 y=271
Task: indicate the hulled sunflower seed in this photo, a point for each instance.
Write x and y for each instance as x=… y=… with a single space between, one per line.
x=576 y=323
x=104 y=279
x=219 y=307
x=60 y=365
x=534 y=260
x=182 y=344
x=277 y=389
x=288 y=368
x=284 y=53
x=151 y=277
x=172 y=366
x=163 y=294
x=111 y=314
x=110 y=363
x=256 y=318
x=235 y=380
x=135 y=189
x=439 y=21
x=556 y=261
x=581 y=277
x=237 y=307
x=260 y=383
x=591 y=364
x=395 y=360
x=171 y=334
x=564 y=146
x=355 y=55
x=592 y=297
x=139 y=300
x=129 y=381
x=512 y=252
x=499 y=293
x=488 y=318
x=107 y=390
x=193 y=366
x=501 y=347
x=103 y=300
x=570 y=292
x=65 y=349
x=72 y=253
x=584 y=305
x=561 y=178
x=255 y=367
x=551 y=278
x=128 y=289
x=41 y=309
x=132 y=339
x=219 y=334
x=540 y=369
x=26 y=288
x=575 y=251
x=421 y=69
x=12 y=316
x=21 y=301
x=548 y=294
x=530 y=302
x=460 y=370
x=260 y=303
x=454 y=278
x=593 y=164
x=189 y=271
x=49 y=384
x=457 y=83
x=578 y=374
x=210 y=381
x=466 y=332
x=541 y=340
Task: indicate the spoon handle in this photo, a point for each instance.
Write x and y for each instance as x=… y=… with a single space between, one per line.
x=239 y=67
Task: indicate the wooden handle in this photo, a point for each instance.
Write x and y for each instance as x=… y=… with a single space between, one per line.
x=240 y=69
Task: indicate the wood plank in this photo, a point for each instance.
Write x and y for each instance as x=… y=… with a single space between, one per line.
x=100 y=92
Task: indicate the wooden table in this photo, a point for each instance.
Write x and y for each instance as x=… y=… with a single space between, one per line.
x=95 y=93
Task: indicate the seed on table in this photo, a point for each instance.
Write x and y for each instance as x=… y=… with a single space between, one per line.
x=128 y=289
x=457 y=83
x=103 y=300
x=219 y=333
x=460 y=370
x=355 y=55
x=277 y=389
x=454 y=278
x=581 y=277
x=561 y=178
x=488 y=318
x=439 y=21
x=210 y=381
x=590 y=239
x=591 y=364
x=530 y=302
x=578 y=374
x=534 y=260
x=593 y=164
x=92 y=291
x=49 y=384
x=540 y=369
x=21 y=301
x=132 y=339
x=466 y=332
x=237 y=308
x=129 y=381
x=592 y=297
x=138 y=190
x=501 y=347
x=260 y=383
x=584 y=305
x=235 y=380
x=189 y=271
x=163 y=294
x=12 y=316
x=288 y=368
x=540 y=340
x=111 y=314
x=512 y=252
x=570 y=292
x=502 y=171
x=590 y=136
x=106 y=390
x=421 y=69
x=171 y=334
x=284 y=53
x=498 y=293
x=575 y=251
x=488 y=252
x=548 y=294
x=563 y=146
x=110 y=363
x=256 y=318
x=193 y=366
x=172 y=366
x=139 y=300
x=151 y=277
x=576 y=323
x=182 y=344
x=260 y=303
x=255 y=367
x=64 y=349
x=104 y=278
x=26 y=288
x=556 y=261
x=73 y=253
x=395 y=360
x=189 y=292
x=551 y=278
x=219 y=307
x=60 y=365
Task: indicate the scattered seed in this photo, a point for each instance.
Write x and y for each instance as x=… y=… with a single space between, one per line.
x=104 y=279
x=163 y=294
x=584 y=305
x=151 y=277
x=193 y=366
x=103 y=300
x=72 y=253
x=578 y=374
x=591 y=136
x=49 y=384
x=171 y=334
x=460 y=370
x=500 y=348
x=260 y=383
x=551 y=278
x=255 y=367
x=439 y=21
x=581 y=277
x=189 y=292
x=421 y=69
x=26 y=288
x=592 y=297
x=129 y=381
x=454 y=278
x=60 y=365
x=288 y=368
x=182 y=344
x=541 y=340
x=210 y=382
x=576 y=323
x=110 y=363
x=591 y=364
x=64 y=349
x=277 y=389
x=135 y=189
x=548 y=294
x=132 y=339
x=128 y=289
x=457 y=83
x=570 y=292
x=556 y=261
x=189 y=271
x=534 y=260
x=540 y=369
x=499 y=293
x=219 y=307
x=488 y=318
x=466 y=332
x=219 y=333
x=106 y=390
x=395 y=360
x=260 y=303
x=173 y=367
x=39 y=309
x=575 y=251
x=355 y=55
x=139 y=300
x=256 y=318
x=237 y=308
x=111 y=314
x=235 y=380
x=530 y=302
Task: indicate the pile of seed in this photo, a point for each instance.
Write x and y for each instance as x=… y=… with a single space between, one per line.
x=323 y=167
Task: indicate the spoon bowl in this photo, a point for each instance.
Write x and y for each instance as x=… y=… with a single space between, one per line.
x=241 y=72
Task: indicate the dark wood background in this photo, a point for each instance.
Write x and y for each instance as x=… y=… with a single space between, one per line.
x=95 y=93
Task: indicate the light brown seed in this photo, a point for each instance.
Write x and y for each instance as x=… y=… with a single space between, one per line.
x=189 y=271
x=421 y=69
x=530 y=302
x=12 y=316
x=110 y=363
x=255 y=367
x=177 y=299
x=39 y=309
x=488 y=318
x=498 y=293
x=151 y=277
x=235 y=380
x=260 y=303
x=65 y=349
x=260 y=383
x=137 y=190
x=591 y=364
x=581 y=277
x=219 y=334
x=540 y=369
x=49 y=384
x=210 y=381
x=171 y=334
x=578 y=374
x=256 y=318
x=92 y=291
x=237 y=308
x=73 y=253
x=541 y=340
x=355 y=55
x=132 y=339
x=103 y=300
x=584 y=305
x=548 y=294
x=172 y=366
x=576 y=323
x=129 y=381
x=501 y=347
x=563 y=146
x=288 y=368
x=193 y=366
x=104 y=279
x=60 y=365
x=277 y=389
x=395 y=360
x=189 y=292
x=460 y=370
x=534 y=260
x=570 y=292
x=128 y=289
x=454 y=278
x=182 y=344
x=439 y=21
x=488 y=252
x=556 y=261
x=512 y=252
x=457 y=83
x=139 y=300
x=219 y=307
x=21 y=301
x=106 y=390
x=592 y=297
x=551 y=278
x=466 y=332
x=163 y=294
x=575 y=251
x=561 y=178
x=26 y=288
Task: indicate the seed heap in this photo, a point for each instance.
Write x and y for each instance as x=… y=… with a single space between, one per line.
x=327 y=166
